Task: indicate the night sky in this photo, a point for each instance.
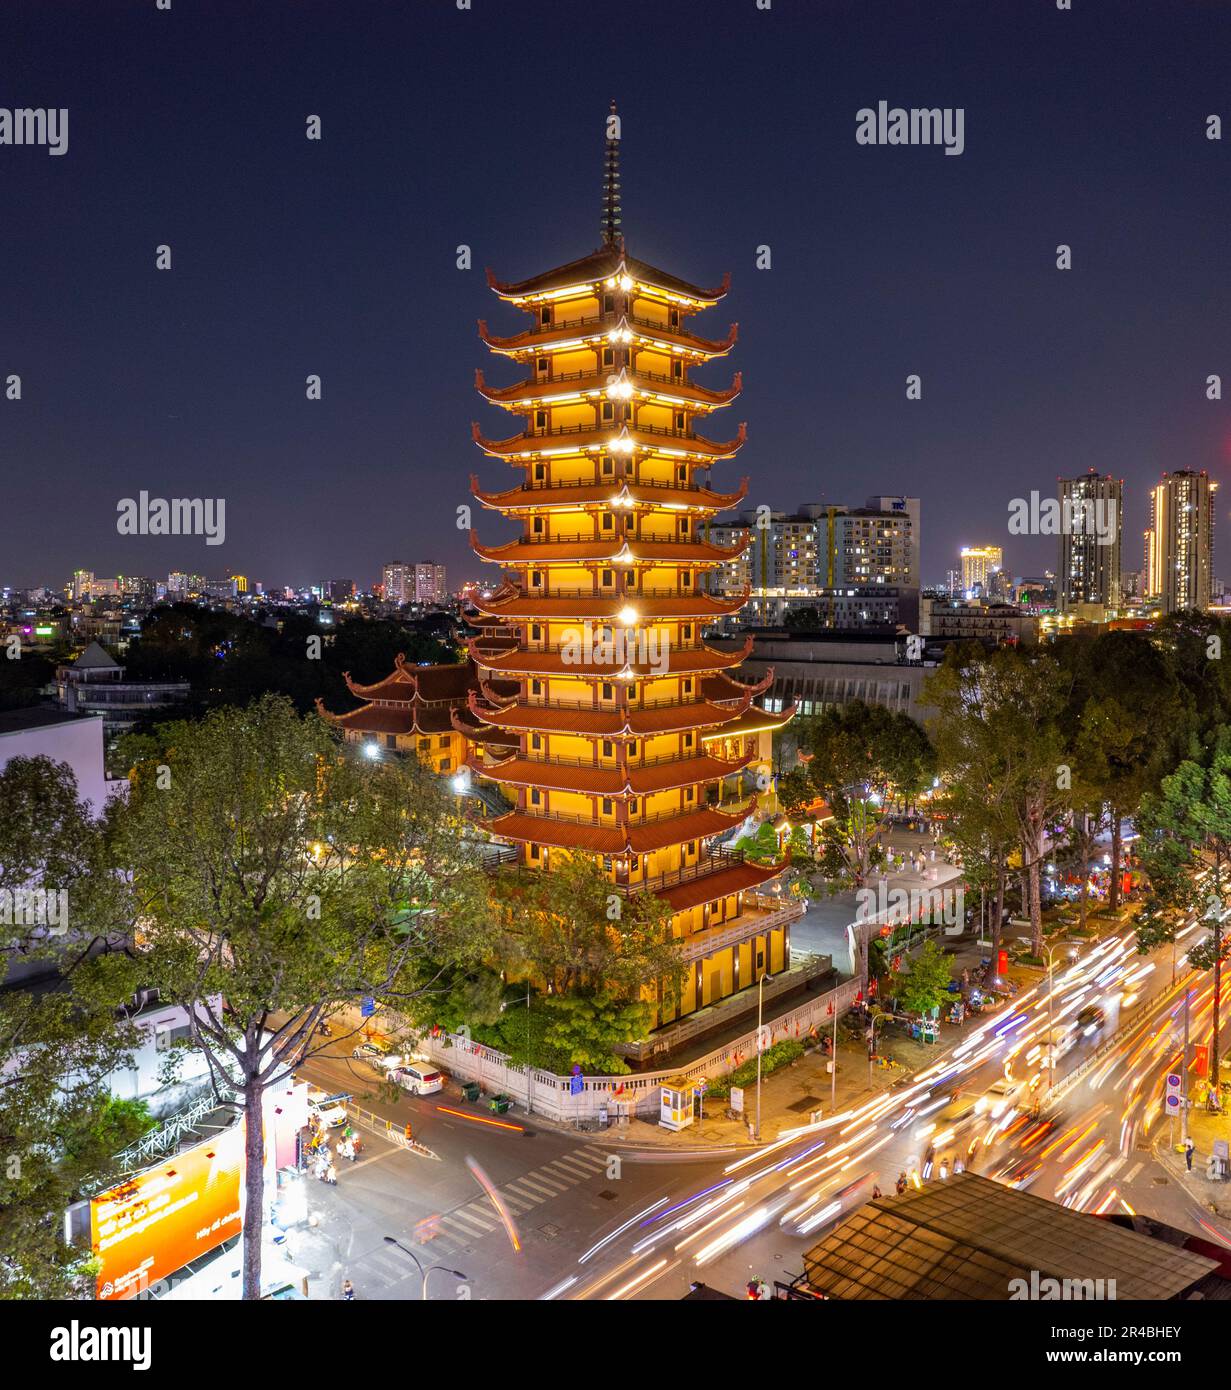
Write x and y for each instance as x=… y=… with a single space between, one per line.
x=485 y=127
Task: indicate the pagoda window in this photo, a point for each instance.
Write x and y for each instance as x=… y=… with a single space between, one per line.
x=540 y=419
x=679 y=419
x=673 y=318
x=608 y=523
x=685 y=526
x=608 y=466
x=609 y=357
x=608 y=748
x=446 y=764
x=536 y=687
x=677 y=369
x=690 y=793
x=536 y=796
x=392 y=742
x=536 y=633
x=544 y=365
x=536 y=743
x=632 y=749
x=609 y=304
x=545 y=315
x=538 y=526
x=628 y=522
x=687 y=632
x=608 y=411
x=688 y=686
x=691 y=847
x=688 y=740
x=608 y=578
x=682 y=472
x=687 y=579
x=608 y=807
x=608 y=691
x=425 y=745
x=444 y=740
x=536 y=579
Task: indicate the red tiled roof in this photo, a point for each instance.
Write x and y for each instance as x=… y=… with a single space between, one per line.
x=610 y=781
x=717 y=885
x=602 y=264
x=685 y=552
x=534 y=663
x=600 y=723
x=609 y=839
x=520 y=498
x=508 y=603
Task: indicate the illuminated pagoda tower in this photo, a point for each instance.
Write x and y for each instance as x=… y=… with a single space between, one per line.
x=627 y=722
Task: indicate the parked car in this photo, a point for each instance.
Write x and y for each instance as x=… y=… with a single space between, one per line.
x=375 y=1051
x=419 y=1078
x=329 y=1110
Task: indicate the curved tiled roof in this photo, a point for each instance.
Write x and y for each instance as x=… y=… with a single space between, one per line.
x=600 y=265
x=625 y=490
x=685 y=552
x=600 y=436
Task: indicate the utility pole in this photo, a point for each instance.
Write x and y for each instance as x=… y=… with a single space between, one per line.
x=760 y=1049
x=833 y=1064
x=1184 y=1074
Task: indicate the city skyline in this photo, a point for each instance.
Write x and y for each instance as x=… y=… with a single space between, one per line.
x=910 y=263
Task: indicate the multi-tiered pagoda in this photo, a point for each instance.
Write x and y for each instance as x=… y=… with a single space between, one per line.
x=622 y=711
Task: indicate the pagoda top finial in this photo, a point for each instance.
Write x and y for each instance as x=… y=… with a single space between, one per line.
x=611 y=181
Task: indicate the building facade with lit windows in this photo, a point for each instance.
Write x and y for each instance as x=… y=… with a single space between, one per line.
x=627 y=723
x=979 y=564
x=1091 y=509
x=1180 y=541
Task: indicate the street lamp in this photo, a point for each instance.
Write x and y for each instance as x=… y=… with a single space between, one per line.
x=760 y=1047
x=393 y=1240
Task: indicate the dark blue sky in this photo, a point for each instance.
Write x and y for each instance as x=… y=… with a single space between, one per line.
x=485 y=127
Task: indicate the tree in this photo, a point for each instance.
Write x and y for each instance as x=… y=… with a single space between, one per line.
x=275 y=879
x=925 y=985
x=1184 y=826
x=853 y=756
x=585 y=1029
x=573 y=931
x=60 y=1036
x=1001 y=744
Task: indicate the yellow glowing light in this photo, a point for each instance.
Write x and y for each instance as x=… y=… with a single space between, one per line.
x=628 y=616
x=625 y=283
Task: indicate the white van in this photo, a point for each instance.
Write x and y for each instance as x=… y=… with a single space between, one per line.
x=419 y=1078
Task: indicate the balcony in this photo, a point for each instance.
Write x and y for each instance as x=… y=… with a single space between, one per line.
x=775 y=913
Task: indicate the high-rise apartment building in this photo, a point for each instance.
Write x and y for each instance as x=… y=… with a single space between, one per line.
x=399 y=582
x=1091 y=511
x=1180 y=541
x=430 y=584
x=979 y=562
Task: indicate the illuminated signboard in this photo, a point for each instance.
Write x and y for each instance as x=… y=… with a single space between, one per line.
x=162 y=1218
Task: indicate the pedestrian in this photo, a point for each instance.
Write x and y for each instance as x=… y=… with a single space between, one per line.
x=876 y=1192
x=348 y=1290
x=1189 y=1150
x=900 y=1185
x=331 y=1176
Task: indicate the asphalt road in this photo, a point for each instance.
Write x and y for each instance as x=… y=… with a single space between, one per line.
x=581 y=1216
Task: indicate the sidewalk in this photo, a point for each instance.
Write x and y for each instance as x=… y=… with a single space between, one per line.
x=1205 y=1128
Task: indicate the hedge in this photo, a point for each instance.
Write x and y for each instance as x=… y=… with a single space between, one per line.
x=746 y=1073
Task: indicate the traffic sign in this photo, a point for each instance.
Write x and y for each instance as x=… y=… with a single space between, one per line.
x=1174 y=1098
x=367 y=1008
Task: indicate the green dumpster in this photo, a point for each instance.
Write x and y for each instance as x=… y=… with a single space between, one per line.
x=470 y=1090
x=499 y=1104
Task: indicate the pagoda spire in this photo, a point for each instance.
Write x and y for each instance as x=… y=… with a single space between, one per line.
x=611 y=181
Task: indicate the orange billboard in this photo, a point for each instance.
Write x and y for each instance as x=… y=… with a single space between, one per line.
x=162 y=1218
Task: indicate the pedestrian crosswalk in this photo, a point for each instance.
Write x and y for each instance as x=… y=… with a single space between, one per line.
x=466 y=1224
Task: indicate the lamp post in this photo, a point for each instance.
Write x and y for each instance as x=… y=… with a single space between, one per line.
x=760 y=1049
x=393 y=1240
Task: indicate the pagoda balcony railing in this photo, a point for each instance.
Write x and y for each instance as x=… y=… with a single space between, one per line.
x=596 y=535
x=633 y=765
x=660 y=702
x=549 y=486
x=591 y=374
x=610 y=822
x=555 y=431
x=611 y=591
x=714 y=860
x=570 y=323
x=559 y=651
